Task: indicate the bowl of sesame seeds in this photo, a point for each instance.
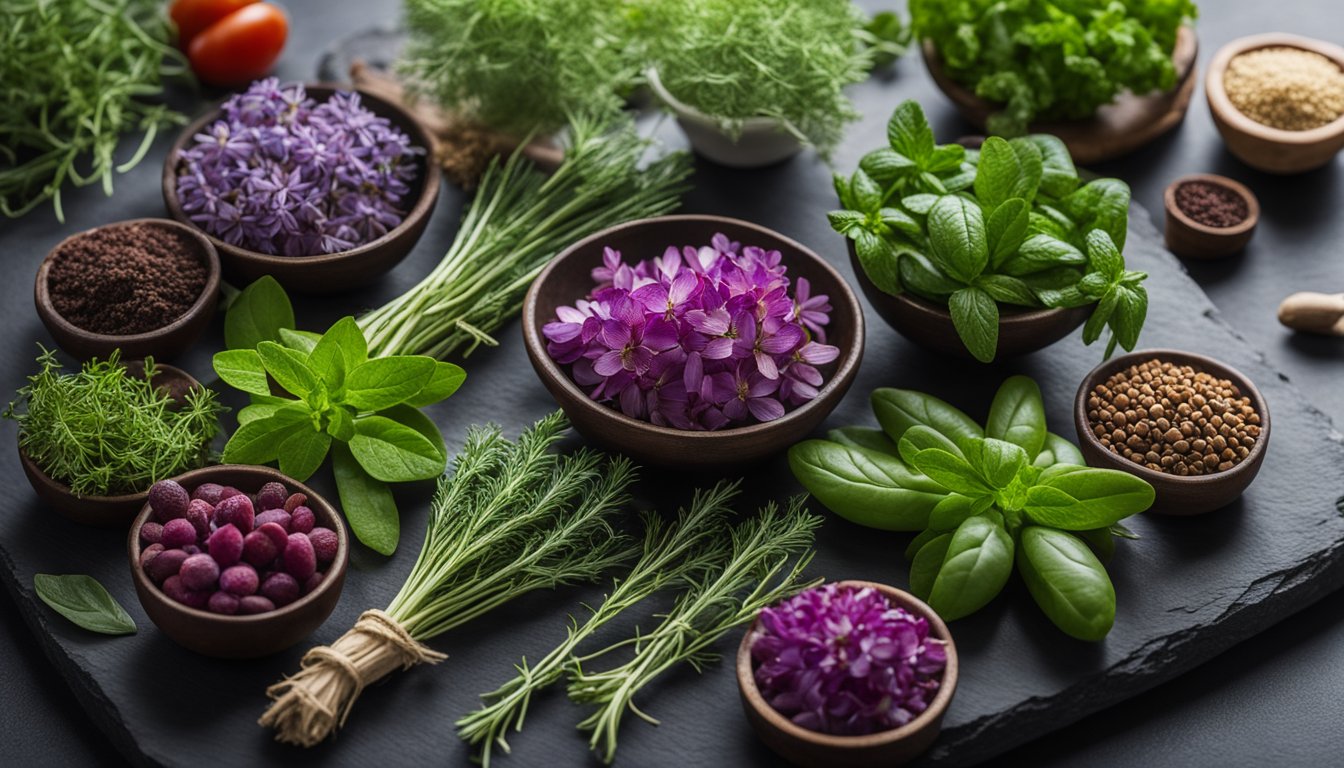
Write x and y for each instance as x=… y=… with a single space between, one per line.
x=1195 y=428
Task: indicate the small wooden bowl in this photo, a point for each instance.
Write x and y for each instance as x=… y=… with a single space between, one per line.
x=1176 y=495
x=1258 y=145
x=568 y=279
x=162 y=343
x=243 y=637
x=812 y=749
x=1187 y=237
x=1021 y=330
x=1117 y=129
x=104 y=511
x=330 y=272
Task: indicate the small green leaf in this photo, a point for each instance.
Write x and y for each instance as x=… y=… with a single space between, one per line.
x=898 y=410
x=957 y=239
x=1018 y=414
x=1058 y=177
x=900 y=221
x=1067 y=582
x=410 y=417
x=997 y=461
x=340 y=350
x=933 y=455
x=288 y=367
x=1101 y=204
x=879 y=261
x=920 y=204
x=368 y=503
x=886 y=166
x=258 y=440
x=866 y=487
x=953 y=510
x=1096 y=322
x=1063 y=451
x=977 y=565
x=393 y=452
x=1007 y=170
x=1007 y=290
x=386 y=381
x=976 y=318
x=1087 y=498
x=928 y=561
x=85 y=602
x=1131 y=310
x=299 y=341
x=920 y=276
x=341 y=423
x=257 y=411
x=918 y=542
x=446 y=380
x=302 y=452
x=1006 y=229
x=1039 y=253
x=867 y=194
x=1103 y=256
x=843 y=191
x=845 y=221
x=257 y=315
x=864 y=437
x=242 y=369
x=946 y=157
x=909 y=133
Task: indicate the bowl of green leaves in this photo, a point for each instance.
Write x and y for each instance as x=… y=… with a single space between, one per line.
x=988 y=253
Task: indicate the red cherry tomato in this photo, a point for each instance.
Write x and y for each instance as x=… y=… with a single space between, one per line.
x=193 y=17
x=241 y=47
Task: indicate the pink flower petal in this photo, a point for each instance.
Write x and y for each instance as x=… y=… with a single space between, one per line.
x=818 y=354
x=609 y=364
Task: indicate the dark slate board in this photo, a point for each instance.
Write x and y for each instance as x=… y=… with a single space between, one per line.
x=1188 y=590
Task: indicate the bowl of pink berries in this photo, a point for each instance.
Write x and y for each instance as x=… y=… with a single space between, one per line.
x=237 y=561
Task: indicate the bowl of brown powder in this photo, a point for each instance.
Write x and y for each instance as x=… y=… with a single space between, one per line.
x=1195 y=428
x=146 y=286
x=1209 y=216
x=1278 y=101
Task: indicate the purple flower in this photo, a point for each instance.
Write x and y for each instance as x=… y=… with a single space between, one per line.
x=812 y=311
x=844 y=661
x=746 y=390
x=765 y=340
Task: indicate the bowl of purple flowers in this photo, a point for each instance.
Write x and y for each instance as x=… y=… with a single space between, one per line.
x=850 y=673
x=693 y=341
x=322 y=187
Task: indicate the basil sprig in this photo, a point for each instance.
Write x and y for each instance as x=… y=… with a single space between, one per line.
x=984 y=499
x=85 y=602
x=1007 y=225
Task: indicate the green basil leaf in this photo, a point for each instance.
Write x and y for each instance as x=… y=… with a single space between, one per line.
x=257 y=411
x=900 y=221
x=1103 y=256
x=1063 y=298
x=1063 y=451
x=898 y=410
x=864 y=437
x=1100 y=540
x=909 y=133
x=393 y=452
x=920 y=276
x=1006 y=229
x=1007 y=290
x=918 y=542
x=886 y=166
x=863 y=486
x=879 y=261
x=957 y=240
x=341 y=350
x=926 y=564
x=844 y=221
x=934 y=456
x=1041 y=224
x=368 y=503
x=302 y=452
x=1087 y=498
x=843 y=191
x=953 y=510
x=1007 y=169
x=299 y=341
x=1039 y=253
x=1067 y=582
x=976 y=318
x=242 y=369
x=1059 y=177
x=1131 y=310
x=1018 y=415
x=288 y=367
x=386 y=381
x=257 y=315
x=867 y=194
x=258 y=441
x=977 y=565
x=1101 y=204
x=85 y=602
x=410 y=417
x=946 y=157
x=341 y=423
x=996 y=461
x=920 y=204
x=1096 y=322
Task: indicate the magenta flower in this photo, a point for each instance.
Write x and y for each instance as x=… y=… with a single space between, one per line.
x=745 y=390
x=812 y=311
x=765 y=341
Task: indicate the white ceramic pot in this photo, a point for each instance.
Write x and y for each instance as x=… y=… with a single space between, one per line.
x=762 y=140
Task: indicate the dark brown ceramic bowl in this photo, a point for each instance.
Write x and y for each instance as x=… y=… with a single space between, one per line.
x=243 y=637
x=1187 y=237
x=1176 y=495
x=1021 y=331
x=1115 y=130
x=812 y=749
x=164 y=343
x=1258 y=145
x=104 y=511
x=332 y=272
x=568 y=279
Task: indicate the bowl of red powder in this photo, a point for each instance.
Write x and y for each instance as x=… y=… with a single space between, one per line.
x=146 y=286
x=1209 y=216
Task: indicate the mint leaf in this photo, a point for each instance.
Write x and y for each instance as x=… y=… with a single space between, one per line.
x=340 y=423
x=976 y=318
x=302 y=452
x=1100 y=316
x=909 y=133
x=1007 y=290
x=1130 y=312
x=1039 y=253
x=886 y=166
x=1103 y=256
x=445 y=381
x=920 y=276
x=299 y=341
x=1101 y=204
x=258 y=441
x=367 y=503
x=85 y=602
x=257 y=315
x=386 y=381
x=1058 y=175
x=394 y=453
x=410 y=417
x=1006 y=229
x=957 y=241
x=242 y=369
x=879 y=261
x=288 y=367
x=867 y=195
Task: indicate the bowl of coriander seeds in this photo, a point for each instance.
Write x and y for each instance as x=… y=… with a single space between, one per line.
x=1196 y=429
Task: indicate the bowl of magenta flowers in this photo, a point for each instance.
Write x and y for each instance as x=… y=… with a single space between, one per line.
x=693 y=341
x=323 y=187
x=850 y=674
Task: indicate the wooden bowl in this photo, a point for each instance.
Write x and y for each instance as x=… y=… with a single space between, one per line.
x=1258 y=145
x=568 y=279
x=1176 y=495
x=1117 y=129
x=243 y=637
x=162 y=343
x=331 y=272
x=104 y=511
x=1189 y=238
x=1021 y=330
x=813 y=749
x=763 y=140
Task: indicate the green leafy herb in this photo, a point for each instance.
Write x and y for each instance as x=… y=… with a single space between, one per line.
x=84 y=601
x=107 y=430
x=888 y=36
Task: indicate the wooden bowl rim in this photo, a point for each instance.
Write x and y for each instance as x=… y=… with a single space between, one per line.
x=843 y=301
x=746 y=680
x=423 y=207
x=315 y=502
x=1201 y=363
x=1252 y=205
x=1242 y=123
x=205 y=250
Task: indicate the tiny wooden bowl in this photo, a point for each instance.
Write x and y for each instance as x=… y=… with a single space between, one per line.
x=568 y=279
x=1176 y=495
x=104 y=511
x=243 y=637
x=813 y=749
x=329 y=272
x=1117 y=129
x=161 y=343
x=1187 y=237
x=1021 y=330
x=1258 y=145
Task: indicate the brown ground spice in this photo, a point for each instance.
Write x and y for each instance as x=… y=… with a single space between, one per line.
x=1212 y=205
x=1174 y=419
x=123 y=280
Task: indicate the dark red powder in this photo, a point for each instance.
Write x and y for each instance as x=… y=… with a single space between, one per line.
x=123 y=280
x=1212 y=205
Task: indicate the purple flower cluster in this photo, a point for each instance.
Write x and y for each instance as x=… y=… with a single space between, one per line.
x=282 y=174
x=843 y=661
x=697 y=339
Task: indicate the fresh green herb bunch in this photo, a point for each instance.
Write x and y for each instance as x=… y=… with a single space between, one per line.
x=364 y=411
x=106 y=432
x=983 y=497
x=734 y=60
x=1008 y=224
x=74 y=79
x=520 y=65
x=1053 y=59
